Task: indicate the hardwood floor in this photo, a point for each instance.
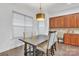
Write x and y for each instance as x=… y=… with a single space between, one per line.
x=66 y=50
x=62 y=50
x=18 y=51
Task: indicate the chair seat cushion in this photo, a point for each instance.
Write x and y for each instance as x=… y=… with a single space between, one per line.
x=43 y=46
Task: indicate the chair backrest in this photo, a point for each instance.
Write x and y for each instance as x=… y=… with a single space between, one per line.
x=52 y=39
x=27 y=35
x=55 y=39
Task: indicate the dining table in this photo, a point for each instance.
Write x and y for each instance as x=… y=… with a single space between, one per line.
x=33 y=41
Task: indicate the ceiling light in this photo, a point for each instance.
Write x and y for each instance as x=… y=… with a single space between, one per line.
x=40 y=16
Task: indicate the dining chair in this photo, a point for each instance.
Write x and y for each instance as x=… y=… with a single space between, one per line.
x=55 y=41
x=48 y=46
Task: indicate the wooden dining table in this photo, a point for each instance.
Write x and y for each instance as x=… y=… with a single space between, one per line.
x=34 y=41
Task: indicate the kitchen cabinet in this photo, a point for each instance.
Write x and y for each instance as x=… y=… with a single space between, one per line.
x=77 y=19
x=66 y=21
x=51 y=21
x=73 y=20
x=55 y=22
x=60 y=22
x=71 y=39
x=66 y=39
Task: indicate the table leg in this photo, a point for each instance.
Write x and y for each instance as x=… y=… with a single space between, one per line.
x=29 y=50
x=25 y=49
x=47 y=52
x=34 y=50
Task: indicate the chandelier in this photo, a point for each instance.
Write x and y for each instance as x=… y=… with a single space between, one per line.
x=40 y=16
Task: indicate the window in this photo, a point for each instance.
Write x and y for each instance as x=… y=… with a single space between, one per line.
x=41 y=27
x=21 y=23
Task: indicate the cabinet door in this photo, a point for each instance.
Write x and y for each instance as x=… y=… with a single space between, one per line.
x=51 y=23
x=58 y=22
x=78 y=41
x=73 y=21
x=61 y=23
x=67 y=21
x=55 y=22
x=67 y=39
x=73 y=39
x=77 y=20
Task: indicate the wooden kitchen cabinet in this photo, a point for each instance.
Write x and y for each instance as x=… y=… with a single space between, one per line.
x=66 y=21
x=71 y=39
x=61 y=22
x=73 y=21
x=70 y=21
x=77 y=23
x=58 y=22
x=77 y=40
x=55 y=22
x=51 y=23
x=66 y=39
x=77 y=19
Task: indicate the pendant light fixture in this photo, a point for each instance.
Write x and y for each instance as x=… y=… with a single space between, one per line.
x=40 y=16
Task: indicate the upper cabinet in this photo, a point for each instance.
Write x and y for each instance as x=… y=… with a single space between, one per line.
x=61 y=21
x=77 y=20
x=56 y=22
x=73 y=20
x=52 y=22
x=66 y=21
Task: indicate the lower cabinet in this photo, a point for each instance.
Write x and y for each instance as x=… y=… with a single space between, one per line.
x=71 y=39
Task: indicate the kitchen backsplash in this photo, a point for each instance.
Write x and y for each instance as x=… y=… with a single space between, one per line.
x=61 y=31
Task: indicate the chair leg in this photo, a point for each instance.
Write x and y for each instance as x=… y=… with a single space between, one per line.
x=52 y=50
x=55 y=46
x=42 y=53
x=39 y=53
x=25 y=49
x=58 y=40
x=34 y=50
x=47 y=52
x=30 y=50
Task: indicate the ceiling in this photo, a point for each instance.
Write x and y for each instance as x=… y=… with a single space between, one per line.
x=51 y=8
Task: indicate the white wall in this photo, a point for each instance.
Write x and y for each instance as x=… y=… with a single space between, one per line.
x=6 y=40
x=66 y=11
